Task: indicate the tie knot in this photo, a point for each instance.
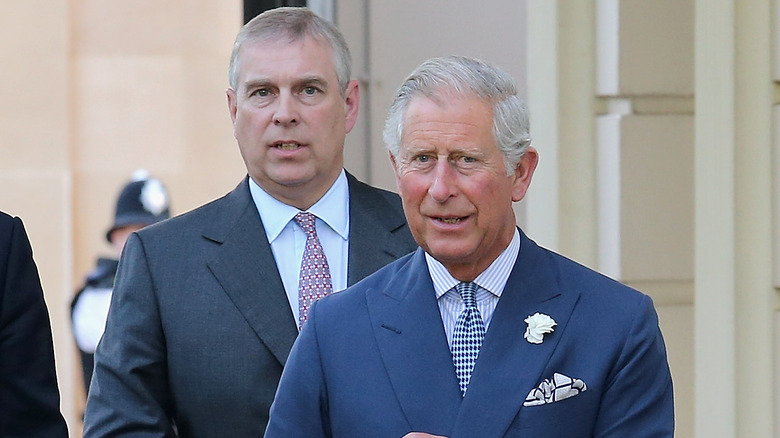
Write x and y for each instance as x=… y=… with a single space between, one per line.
x=305 y=220
x=468 y=292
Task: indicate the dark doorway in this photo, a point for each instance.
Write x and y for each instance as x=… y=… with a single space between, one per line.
x=254 y=7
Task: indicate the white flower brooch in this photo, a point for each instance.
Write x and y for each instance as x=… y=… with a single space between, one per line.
x=538 y=325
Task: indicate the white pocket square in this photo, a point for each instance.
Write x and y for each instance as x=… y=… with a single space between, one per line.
x=550 y=391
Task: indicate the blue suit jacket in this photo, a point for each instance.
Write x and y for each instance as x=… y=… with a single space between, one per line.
x=374 y=360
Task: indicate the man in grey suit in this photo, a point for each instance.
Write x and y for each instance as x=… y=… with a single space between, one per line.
x=205 y=306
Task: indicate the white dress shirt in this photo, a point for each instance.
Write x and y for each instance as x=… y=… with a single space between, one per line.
x=288 y=240
x=89 y=317
x=490 y=284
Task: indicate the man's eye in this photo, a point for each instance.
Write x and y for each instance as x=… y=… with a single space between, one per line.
x=423 y=158
x=310 y=91
x=468 y=159
x=262 y=92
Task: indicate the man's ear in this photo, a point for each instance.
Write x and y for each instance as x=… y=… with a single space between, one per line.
x=352 y=103
x=232 y=104
x=396 y=171
x=524 y=171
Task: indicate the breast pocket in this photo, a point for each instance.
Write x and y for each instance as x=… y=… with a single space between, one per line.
x=573 y=417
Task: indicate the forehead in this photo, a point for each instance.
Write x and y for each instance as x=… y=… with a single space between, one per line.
x=279 y=59
x=448 y=119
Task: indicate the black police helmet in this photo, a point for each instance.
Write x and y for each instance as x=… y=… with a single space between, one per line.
x=142 y=201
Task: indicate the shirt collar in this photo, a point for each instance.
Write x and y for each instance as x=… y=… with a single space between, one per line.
x=332 y=208
x=493 y=279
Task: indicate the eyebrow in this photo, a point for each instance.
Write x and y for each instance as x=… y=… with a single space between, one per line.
x=312 y=80
x=301 y=82
x=255 y=83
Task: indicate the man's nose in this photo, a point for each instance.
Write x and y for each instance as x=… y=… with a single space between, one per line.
x=286 y=112
x=443 y=185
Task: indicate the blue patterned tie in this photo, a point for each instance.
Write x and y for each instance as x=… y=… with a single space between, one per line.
x=468 y=335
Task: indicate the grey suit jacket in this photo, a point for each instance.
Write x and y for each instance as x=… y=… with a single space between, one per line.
x=200 y=325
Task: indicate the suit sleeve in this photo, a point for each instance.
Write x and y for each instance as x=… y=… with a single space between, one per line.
x=29 y=398
x=300 y=409
x=128 y=394
x=638 y=399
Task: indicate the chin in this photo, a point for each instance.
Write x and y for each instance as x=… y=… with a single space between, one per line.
x=448 y=254
x=292 y=179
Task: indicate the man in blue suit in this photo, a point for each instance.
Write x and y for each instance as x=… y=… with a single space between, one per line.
x=480 y=332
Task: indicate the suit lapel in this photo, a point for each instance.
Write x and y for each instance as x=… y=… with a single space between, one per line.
x=245 y=268
x=508 y=366
x=411 y=339
x=373 y=241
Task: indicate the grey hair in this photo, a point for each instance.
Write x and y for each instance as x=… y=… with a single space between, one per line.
x=293 y=23
x=452 y=77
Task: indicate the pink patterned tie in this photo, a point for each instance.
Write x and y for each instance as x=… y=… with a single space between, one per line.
x=314 y=282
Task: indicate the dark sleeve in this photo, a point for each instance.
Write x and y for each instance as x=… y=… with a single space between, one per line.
x=128 y=395
x=29 y=397
x=299 y=409
x=638 y=400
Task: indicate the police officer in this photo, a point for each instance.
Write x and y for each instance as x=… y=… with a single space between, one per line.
x=143 y=201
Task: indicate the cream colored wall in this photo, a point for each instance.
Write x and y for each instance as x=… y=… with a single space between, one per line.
x=92 y=90
x=610 y=91
x=733 y=271
x=684 y=184
x=35 y=176
x=148 y=92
